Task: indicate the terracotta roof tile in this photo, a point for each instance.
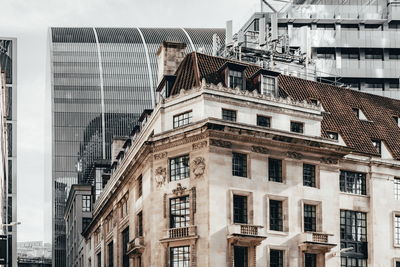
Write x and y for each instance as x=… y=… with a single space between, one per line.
x=338 y=103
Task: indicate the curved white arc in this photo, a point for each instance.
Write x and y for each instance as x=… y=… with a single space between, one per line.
x=103 y=120
x=153 y=99
x=190 y=39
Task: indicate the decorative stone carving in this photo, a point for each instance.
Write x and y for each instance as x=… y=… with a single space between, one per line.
x=220 y=143
x=198 y=166
x=329 y=160
x=160 y=176
x=160 y=155
x=179 y=190
x=199 y=145
x=260 y=149
x=294 y=155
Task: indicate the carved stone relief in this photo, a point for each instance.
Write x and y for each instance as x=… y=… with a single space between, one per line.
x=198 y=166
x=160 y=176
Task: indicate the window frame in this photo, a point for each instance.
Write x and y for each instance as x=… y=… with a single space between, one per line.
x=396 y=229
x=315 y=180
x=229 y=118
x=284 y=255
x=250 y=209
x=333 y=135
x=268 y=119
x=186 y=250
x=360 y=188
x=309 y=222
x=186 y=168
x=396 y=188
x=265 y=91
x=86 y=199
x=178 y=212
x=235 y=79
x=378 y=145
x=299 y=123
x=318 y=215
x=236 y=171
x=282 y=170
x=244 y=214
x=180 y=122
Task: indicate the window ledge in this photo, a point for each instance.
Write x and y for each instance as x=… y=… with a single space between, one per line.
x=354 y=195
x=279 y=233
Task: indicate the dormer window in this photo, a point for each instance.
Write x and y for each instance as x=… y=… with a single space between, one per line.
x=396 y=119
x=378 y=145
x=314 y=101
x=359 y=114
x=333 y=135
x=268 y=85
x=235 y=79
x=356 y=111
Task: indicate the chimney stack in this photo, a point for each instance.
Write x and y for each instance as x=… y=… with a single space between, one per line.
x=169 y=57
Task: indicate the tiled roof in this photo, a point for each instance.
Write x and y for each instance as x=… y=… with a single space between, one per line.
x=338 y=103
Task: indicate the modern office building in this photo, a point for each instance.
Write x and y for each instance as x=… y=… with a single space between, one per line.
x=8 y=69
x=101 y=79
x=350 y=43
x=243 y=166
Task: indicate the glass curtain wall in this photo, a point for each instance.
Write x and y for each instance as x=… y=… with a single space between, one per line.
x=101 y=83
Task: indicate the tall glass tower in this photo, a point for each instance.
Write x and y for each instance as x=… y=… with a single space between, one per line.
x=8 y=65
x=101 y=80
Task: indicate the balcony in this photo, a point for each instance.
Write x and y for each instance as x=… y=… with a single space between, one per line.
x=246 y=233
x=316 y=242
x=136 y=247
x=180 y=233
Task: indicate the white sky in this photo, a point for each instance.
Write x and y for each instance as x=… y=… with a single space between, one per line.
x=28 y=21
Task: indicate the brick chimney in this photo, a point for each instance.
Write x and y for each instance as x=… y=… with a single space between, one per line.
x=169 y=57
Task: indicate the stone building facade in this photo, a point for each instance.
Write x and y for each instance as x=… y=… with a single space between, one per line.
x=241 y=166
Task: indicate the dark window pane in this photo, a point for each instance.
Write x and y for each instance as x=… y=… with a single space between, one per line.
x=309 y=175
x=110 y=247
x=241 y=256
x=296 y=127
x=179 y=210
x=310 y=260
x=310 y=218
x=353 y=182
x=182 y=119
x=235 y=79
x=263 y=121
x=229 y=115
x=140 y=224
x=275 y=215
x=276 y=258
x=179 y=168
x=125 y=241
x=239 y=164
x=179 y=256
x=239 y=209
x=86 y=203
x=275 y=170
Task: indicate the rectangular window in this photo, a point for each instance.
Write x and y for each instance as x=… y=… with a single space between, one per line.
x=353 y=226
x=239 y=209
x=310 y=218
x=140 y=186
x=396 y=188
x=183 y=119
x=374 y=53
x=350 y=53
x=356 y=112
x=263 y=121
x=275 y=215
x=397 y=230
x=268 y=86
x=310 y=260
x=352 y=262
x=326 y=53
x=228 y=115
x=309 y=175
x=140 y=224
x=276 y=258
x=85 y=223
x=378 y=145
x=241 y=256
x=179 y=212
x=99 y=259
x=239 y=164
x=235 y=79
x=394 y=54
x=110 y=248
x=296 y=127
x=179 y=168
x=125 y=241
x=397 y=263
x=333 y=135
x=86 y=203
x=353 y=182
x=275 y=170
x=179 y=256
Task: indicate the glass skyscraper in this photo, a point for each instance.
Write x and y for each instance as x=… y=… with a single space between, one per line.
x=101 y=80
x=8 y=65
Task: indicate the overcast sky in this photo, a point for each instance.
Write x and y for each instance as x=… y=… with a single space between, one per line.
x=28 y=20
